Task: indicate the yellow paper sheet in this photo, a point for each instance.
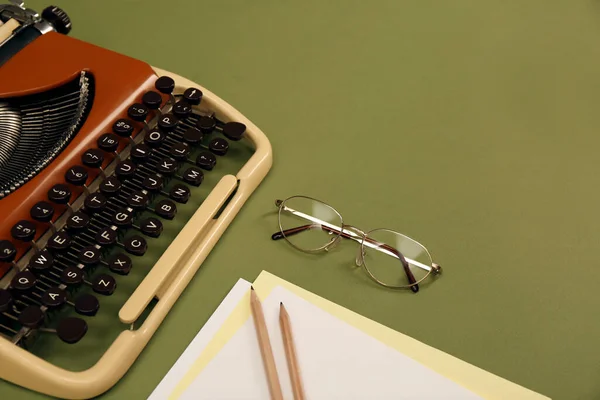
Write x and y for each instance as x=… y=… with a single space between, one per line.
x=477 y=380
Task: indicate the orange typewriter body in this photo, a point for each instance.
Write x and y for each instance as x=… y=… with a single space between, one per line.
x=97 y=152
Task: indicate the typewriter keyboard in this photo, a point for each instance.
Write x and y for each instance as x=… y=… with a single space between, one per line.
x=111 y=218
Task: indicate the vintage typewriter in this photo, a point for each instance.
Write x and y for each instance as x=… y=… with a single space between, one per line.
x=116 y=181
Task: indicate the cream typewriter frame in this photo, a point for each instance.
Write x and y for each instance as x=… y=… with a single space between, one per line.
x=166 y=281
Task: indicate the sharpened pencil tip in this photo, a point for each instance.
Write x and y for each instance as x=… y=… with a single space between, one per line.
x=251 y=287
x=281 y=303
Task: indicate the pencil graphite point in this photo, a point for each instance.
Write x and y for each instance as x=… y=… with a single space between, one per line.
x=251 y=287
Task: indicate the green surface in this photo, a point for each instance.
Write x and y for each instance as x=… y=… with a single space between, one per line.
x=470 y=126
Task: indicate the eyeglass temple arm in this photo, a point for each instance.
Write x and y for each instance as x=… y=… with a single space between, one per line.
x=293 y=231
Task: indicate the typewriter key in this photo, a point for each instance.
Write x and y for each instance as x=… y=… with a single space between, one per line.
x=151 y=227
x=110 y=186
x=89 y=255
x=234 y=130
x=71 y=276
x=92 y=158
x=193 y=136
x=59 y=194
x=165 y=84
x=31 y=317
x=180 y=193
x=152 y=100
x=87 y=304
x=77 y=221
x=153 y=183
x=168 y=122
x=71 y=329
x=219 y=146
x=182 y=109
x=41 y=260
x=180 y=151
x=120 y=264
x=123 y=127
x=206 y=160
x=155 y=138
x=76 y=175
x=8 y=251
x=104 y=284
x=95 y=202
x=125 y=169
x=166 y=209
x=140 y=153
x=194 y=176
x=138 y=112
x=167 y=166
x=23 y=230
x=54 y=297
x=123 y=217
x=138 y=200
x=206 y=124
x=42 y=211
x=106 y=236
x=136 y=245
x=192 y=96
x=23 y=281
x=5 y=300
x=108 y=142
x=60 y=241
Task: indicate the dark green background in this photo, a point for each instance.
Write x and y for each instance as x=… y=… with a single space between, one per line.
x=470 y=126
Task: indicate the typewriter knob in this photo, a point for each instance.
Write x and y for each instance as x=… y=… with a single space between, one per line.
x=165 y=84
x=58 y=19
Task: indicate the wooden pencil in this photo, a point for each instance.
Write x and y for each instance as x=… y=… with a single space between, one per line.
x=265 y=346
x=290 y=353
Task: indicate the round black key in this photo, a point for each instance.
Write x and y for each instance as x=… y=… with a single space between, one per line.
x=219 y=146
x=31 y=317
x=180 y=151
x=120 y=264
x=234 y=130
x=71 y=276
x=106 y=237
x=89 y=255
x=60 y=241
x=167 y=166
x=110 y=186
x=125 y=169
x=182 y=109
x=59 y=194
x=87 y=304
x=77 y=221
x=155 y=138
x=5 y=300
x=8 y=251
x=41 y=261
x=151 y=227
x=138 y=112
x=93 y=158
x=206 y=160
x=123 y=218
x=152 y=100
x=153 y=183
x=193 y=136
x=104 y=284
x=206 y=124
x=193 y=96
x=194 y=176
x=136 y=245
x=76 y=175
x=180 y=193
x=23 y=230
x=138 y=200
x=166 y=209
x=23 y=281
x=108 y=142
x=54 y=297
x=168 y=122
x=165 y=84
x=71 y=329
x=140 y=153
x=123 y=127
x=95 y=202
x=42 y=211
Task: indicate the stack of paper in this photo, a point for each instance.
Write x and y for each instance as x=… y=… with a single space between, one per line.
x=341 y=355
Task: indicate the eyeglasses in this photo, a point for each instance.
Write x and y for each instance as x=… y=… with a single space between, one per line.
x=389 y=258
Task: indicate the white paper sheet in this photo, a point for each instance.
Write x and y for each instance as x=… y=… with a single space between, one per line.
x=337 y=361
